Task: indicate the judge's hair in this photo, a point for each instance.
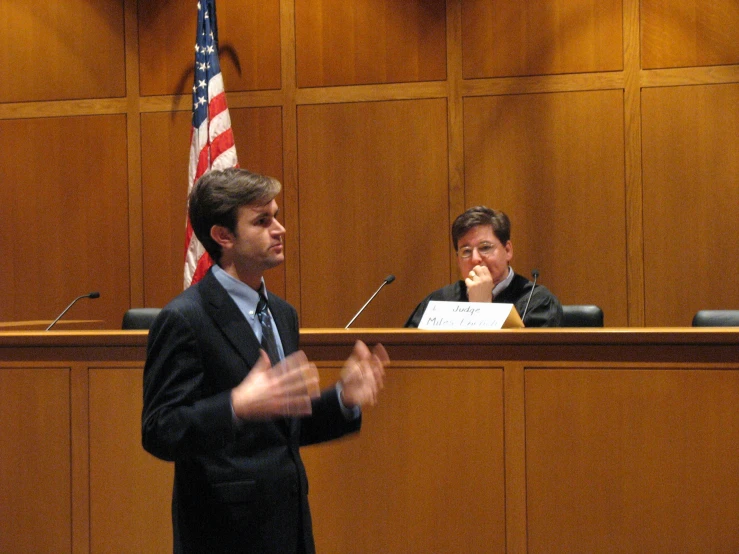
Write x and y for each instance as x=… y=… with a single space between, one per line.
x=216 y=197
x=481 y=215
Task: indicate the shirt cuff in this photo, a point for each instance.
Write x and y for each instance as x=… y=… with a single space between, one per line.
x=349 y=413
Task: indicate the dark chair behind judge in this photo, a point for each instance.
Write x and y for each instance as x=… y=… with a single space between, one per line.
x=139 y=318
x=581 y=315
x=716 y=318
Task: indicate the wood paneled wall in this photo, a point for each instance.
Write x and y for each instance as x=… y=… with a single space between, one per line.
x=606 y=129
x=513 y=441
x=36 y=472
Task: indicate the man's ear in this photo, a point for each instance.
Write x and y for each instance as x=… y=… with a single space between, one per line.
x=222 y=236
x=509 y=250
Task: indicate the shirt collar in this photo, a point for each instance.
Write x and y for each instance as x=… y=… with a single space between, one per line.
x=500 y=287
x=246 y=298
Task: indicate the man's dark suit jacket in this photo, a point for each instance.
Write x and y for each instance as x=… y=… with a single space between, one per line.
x=239 y=486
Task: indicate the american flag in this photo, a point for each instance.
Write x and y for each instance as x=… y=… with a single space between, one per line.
x=211 y=138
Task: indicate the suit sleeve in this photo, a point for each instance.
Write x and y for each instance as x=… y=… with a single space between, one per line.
x=328 y=421
x=177 y=419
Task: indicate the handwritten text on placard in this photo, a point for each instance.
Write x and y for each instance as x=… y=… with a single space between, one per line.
x=471 y=316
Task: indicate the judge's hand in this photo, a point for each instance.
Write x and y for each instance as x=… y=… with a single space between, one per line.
x=363 y=375
x=479 y=284
x=283 y=390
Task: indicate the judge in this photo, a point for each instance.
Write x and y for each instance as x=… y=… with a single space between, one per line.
x=482 y=240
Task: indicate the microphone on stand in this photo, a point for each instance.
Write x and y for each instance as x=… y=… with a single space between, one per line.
x=535 y=275
x=389 y=279
x=89 y=295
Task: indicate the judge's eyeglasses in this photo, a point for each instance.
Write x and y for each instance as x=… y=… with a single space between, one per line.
x=485 y=249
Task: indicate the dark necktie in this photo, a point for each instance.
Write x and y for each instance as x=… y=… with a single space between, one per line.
x=269 y=344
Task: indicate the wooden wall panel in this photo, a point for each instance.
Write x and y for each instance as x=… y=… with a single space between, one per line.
x=132 y=62
x=607 y=472
x=249 y=45
x=530 y=37
x=369 y=41
x=555 y=164
x=64 y=217
x=165 y=136
x=35 y=492
x=691 y=193
x=136 y=517
x=61 y=50
x=420 y=468
x=610 y=437
x=680 y=33
x=164 y=163
x=373 y=201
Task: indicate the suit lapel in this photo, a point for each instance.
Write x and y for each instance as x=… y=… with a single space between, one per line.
x=226 y=315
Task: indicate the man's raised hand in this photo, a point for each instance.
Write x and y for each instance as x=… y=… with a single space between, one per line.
x=285 y=389
x=363 y=375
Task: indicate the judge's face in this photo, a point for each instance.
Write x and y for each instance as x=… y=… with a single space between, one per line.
x=480 y=246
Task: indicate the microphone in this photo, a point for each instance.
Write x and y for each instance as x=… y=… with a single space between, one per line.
x=535 y=275
x=89 y=295
x=389 y=279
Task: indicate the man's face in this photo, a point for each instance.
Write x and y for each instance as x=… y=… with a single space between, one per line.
x=496 y=258
x=258 y=242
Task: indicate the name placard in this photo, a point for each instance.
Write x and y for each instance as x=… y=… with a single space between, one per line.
x=469 y=316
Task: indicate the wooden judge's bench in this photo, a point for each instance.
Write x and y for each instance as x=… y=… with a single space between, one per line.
x=539 y=441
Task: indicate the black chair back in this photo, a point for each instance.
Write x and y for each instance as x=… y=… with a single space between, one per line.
x=716 y=318
x=582 y=315
x=140 y=318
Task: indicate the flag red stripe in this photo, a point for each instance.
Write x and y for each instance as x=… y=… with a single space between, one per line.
x=204 y=160
x=221 y=143
x=204 y=264
x=216 y=105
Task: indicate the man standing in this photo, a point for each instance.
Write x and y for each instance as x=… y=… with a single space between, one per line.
x=482 y=240
x=227 y=395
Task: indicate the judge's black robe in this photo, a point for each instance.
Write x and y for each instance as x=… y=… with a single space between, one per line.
x=544 y=309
